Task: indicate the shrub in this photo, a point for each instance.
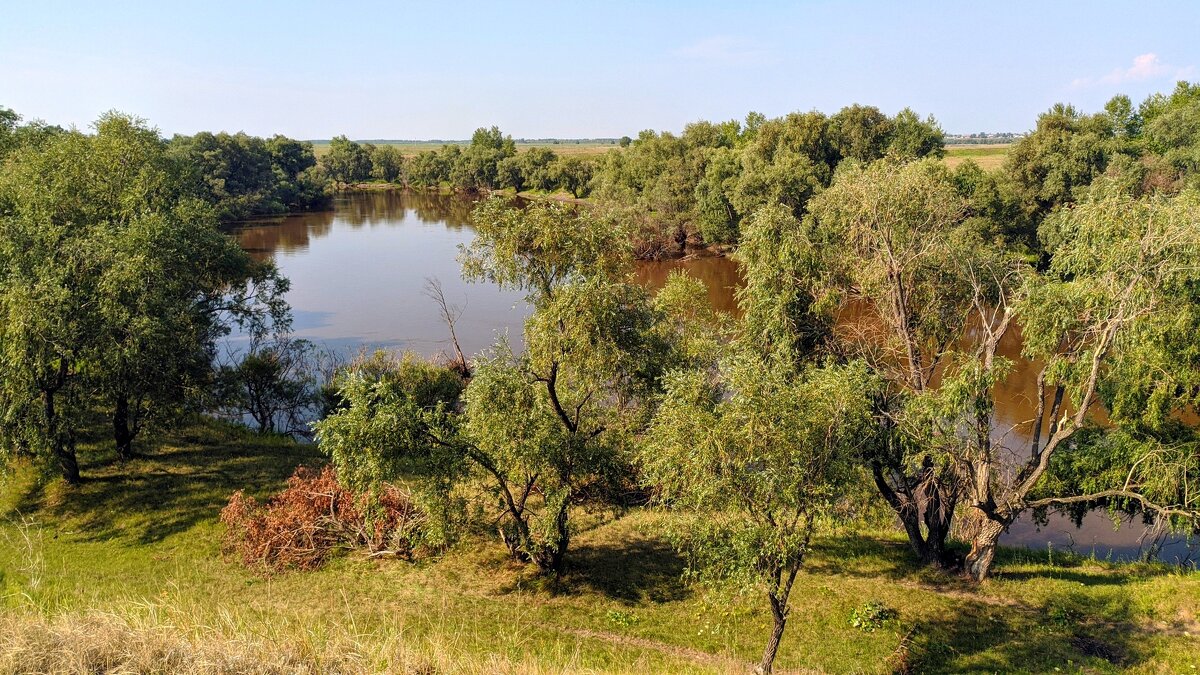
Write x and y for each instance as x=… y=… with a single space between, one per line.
x=872 y=616
x=300 y=527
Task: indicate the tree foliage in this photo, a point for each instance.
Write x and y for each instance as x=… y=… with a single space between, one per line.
x=758 y=454
x=114 y=285
x=534 y=434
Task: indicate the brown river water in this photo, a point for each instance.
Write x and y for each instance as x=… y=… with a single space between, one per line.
x=357 y=276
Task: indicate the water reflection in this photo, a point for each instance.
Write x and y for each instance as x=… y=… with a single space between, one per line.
x=357 y=275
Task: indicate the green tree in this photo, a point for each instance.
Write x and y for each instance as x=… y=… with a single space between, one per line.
x=759 y=454
x=860 y=132
x=787 y=162
x=1055 y=163
x=387 y=163
x=347 y=161
x=8 y=130
x=898 y=241
x=573 y=174
x=537 y=168
x=718 y=219
x=429 y=169
x=1097 y=321
x=510 y=174
x=244 y=176
x=114 y=285
x=532 y=431
x=477 y=167
x=913 y=138
x=159 y=315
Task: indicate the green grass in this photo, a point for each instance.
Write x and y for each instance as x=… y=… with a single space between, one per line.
x=989 y=157
x=140 y=544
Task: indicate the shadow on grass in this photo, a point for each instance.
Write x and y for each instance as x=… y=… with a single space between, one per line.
x=632 y=570
x=862 y=555
x=1068 y=631
x=177 y=482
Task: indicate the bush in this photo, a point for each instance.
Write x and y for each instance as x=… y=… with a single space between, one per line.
x=302 y=526
x=872 y=616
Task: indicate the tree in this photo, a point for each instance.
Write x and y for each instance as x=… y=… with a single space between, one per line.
x=8 y=128
x=160 y=315
x=913 y=138
x=537 y=168
x=536 y=434
x=430 y=168
x=347 y=161
x=718 y=219
x=477 y=167
x=301 y=185
x=510 y=174
x=275 y=383
x=787 y=161
x=58 y=201
x=1053 y=165
x=573 y=174
x=1170 y=126
x=114 y=282
x=624 y=141
x=896 y=238
x=387 y=163
x=1097 y=321
x=758 y=454
x=860 y=132
x=244 y=176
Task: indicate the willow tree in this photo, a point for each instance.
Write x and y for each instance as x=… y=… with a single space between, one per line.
x=758 y=453
x=916 y=277
x=1113 y=321
x=1119 y=292
x=536 y=434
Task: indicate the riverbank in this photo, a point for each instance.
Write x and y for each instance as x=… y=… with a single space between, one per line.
x=129 y=565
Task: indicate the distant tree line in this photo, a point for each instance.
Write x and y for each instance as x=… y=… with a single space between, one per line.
x=489 y=162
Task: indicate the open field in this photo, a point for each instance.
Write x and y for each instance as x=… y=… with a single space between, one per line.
x=126 y=573
x=566 y=147
x=989 y=157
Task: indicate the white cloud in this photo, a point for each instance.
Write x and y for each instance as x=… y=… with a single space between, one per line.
x=725 y=49
x=1146 y=66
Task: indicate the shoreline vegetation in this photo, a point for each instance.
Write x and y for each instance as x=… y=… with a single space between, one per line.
x=644 y=482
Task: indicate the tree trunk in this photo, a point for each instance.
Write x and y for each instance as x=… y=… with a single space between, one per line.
x=67 y=461
x=978 y=564
x=768 y=658
x=551 y=560
x=64 y=451
x=939 y=514
x=122 y=432
x=929 y=545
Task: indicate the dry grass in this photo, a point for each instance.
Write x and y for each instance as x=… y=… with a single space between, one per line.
x=988 y=156
x=99 y=642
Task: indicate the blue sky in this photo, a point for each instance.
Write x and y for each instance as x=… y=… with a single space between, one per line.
x=575 y=69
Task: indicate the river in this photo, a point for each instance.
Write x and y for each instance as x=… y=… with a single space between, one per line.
x=357 y=278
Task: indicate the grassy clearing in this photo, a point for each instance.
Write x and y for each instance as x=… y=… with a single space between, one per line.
x=989 y=157
x=125 y=572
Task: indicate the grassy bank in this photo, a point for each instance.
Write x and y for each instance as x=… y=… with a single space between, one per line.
x=126 y=570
